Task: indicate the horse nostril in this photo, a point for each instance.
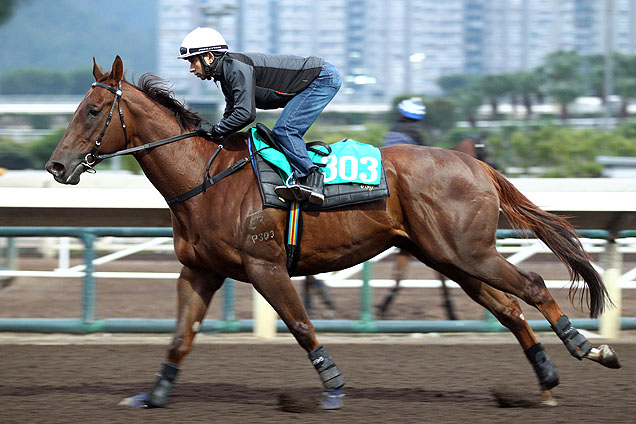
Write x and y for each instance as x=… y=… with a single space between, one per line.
x=55 y=168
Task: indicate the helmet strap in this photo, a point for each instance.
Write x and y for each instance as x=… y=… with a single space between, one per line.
x=207 y=69
x=211 y=68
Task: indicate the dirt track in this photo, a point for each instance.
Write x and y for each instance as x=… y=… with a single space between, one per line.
x=412 y=380
x=241 y=383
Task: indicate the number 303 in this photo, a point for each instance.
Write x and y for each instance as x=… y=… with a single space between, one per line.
x=347 y=168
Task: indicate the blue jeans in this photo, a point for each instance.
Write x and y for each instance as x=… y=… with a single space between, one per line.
x=301 y=112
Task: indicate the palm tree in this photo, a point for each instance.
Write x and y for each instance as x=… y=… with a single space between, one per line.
x=625 y=81
x=493 y=87
x=562 y=70
x=468 y=100
x=595 y=74
x=450 y=83
x=527 y=84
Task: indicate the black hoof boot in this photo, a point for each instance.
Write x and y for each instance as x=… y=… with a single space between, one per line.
x=331 y=377
x=543 y=368
x=159 y=395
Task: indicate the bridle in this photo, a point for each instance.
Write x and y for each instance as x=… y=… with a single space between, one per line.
x=92 y=157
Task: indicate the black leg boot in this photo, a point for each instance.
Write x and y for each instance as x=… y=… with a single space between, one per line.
x=315 y=182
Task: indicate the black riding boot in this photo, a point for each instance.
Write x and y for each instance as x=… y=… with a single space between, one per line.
x=315 y=182
x=310 y=188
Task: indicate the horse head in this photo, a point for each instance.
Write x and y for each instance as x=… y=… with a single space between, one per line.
x=87 y=134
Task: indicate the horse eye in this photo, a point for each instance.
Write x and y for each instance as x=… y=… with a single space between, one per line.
x=93 y=112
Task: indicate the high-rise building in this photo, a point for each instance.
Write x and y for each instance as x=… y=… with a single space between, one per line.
x=385 y=48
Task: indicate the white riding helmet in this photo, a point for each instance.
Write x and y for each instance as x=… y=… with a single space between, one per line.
x=201 y=40
x=412 y=108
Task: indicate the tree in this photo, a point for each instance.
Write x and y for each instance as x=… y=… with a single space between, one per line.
x=6 y=10
x=451 y=83
x=594 y=66
x=625 y=80
x=493 y=87
x=562 y=70
x=46 y=81
x=78 y=81
x=41 y=150
x=468 y=100
x=441 y=113
x=527 y=84
x=33 y=81
x=14 y=156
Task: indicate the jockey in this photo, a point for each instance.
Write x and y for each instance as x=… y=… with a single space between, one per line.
x=407 y=129
x=302 y=86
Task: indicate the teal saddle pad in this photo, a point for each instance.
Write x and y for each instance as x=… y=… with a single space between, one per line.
x=345 y=162
x=353 y=171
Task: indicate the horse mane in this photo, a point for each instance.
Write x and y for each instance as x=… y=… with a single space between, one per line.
x=159 y=91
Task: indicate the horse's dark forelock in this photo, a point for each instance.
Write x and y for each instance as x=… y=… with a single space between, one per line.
x=159 y=91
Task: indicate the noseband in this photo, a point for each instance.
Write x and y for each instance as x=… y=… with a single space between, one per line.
x=91 y=158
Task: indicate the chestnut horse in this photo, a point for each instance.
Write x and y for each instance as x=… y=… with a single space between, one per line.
x=471 y=147
x=444 y=209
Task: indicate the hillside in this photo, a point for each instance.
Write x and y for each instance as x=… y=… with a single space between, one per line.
x=66 y=34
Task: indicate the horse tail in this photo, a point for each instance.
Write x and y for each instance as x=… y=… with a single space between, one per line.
x=557 y=233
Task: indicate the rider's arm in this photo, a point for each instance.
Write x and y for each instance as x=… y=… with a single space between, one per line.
x=239 y=88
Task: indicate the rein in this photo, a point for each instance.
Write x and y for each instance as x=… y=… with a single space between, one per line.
x=92 y=157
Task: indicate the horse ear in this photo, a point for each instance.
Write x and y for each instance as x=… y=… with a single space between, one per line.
x=117 y=73
x=97 y=71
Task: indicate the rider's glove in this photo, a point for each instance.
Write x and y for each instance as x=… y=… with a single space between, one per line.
x=206 y=130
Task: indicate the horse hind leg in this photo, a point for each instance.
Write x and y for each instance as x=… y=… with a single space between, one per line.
x=575 y=342
x=530 y=287
x=400 y=266
x=508 y=312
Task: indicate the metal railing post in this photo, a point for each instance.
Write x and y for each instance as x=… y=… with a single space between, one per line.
x=610 y=322
x=229 y=315
x=88 y=306
x=366 y=299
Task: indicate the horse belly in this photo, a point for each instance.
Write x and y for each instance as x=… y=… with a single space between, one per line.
x=342 y=240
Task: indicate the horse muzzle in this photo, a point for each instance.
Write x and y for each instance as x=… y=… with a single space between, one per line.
x=66 y=174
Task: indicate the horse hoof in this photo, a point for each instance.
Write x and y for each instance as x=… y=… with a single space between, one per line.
x=547 y=399
x=607 y=357
x=142 y=400
x=333 y=400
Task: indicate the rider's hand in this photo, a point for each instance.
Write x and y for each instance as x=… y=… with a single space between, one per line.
x=206 y=130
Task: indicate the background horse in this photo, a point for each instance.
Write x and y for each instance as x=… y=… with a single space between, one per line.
x=444 y=209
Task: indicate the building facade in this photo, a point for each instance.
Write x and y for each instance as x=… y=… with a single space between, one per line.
x=386 y=48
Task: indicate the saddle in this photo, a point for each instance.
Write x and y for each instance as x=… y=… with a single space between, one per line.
x=336 y=195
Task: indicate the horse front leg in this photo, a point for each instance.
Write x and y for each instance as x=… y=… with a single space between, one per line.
x=272 y=281
x=195 y=290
